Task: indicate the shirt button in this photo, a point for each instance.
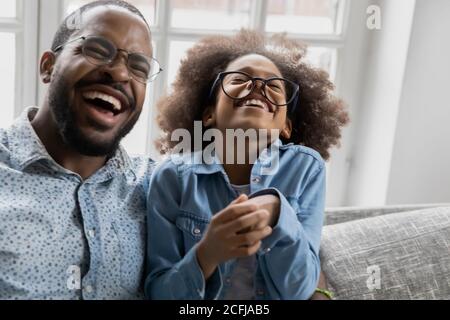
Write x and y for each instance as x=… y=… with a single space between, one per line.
x=89 y=289
x=228 y=280
x=267 y=250
x=260 y=292
x=256 y=179
x=197 y=231
x=91 y=233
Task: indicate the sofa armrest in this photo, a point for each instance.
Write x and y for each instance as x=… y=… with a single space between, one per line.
x=345 y=214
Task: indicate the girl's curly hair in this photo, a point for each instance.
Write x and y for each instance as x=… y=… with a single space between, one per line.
x=319 y=115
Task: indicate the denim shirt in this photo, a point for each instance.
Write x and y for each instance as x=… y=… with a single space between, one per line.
x=62 y=237
x=183 y=197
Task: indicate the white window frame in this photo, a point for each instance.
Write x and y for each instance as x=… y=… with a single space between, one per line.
x=24 y=27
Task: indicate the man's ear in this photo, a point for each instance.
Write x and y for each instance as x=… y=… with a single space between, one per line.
x=46 y=66
x=209 y=117
x=287 y=130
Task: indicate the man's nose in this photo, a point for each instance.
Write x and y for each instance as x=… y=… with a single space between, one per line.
x=118 y=68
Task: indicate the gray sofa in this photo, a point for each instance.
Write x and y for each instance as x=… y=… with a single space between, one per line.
x=392 y=252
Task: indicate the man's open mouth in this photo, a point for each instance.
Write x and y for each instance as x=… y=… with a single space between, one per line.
x=103 y=101
x=105 y=105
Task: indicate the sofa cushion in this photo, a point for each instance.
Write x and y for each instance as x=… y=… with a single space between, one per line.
x=396 y=256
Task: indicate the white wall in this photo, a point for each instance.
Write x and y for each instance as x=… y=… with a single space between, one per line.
x=377 y=110
x=420 y=170
x=349 y=82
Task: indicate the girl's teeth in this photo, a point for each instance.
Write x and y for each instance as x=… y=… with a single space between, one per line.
x=257 y=103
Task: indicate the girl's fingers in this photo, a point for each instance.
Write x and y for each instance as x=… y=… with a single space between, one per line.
x=242 y=197
x=250 y=238
x=233 y=212
x=245 y=221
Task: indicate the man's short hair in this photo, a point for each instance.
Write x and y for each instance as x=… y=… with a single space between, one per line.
x=64 y=31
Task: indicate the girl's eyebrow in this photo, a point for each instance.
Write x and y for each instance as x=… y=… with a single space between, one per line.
x=250 y=70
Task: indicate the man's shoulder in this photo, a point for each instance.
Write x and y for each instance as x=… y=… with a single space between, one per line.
x=4 y=146
x=142 y=165
x=141 y=160
x=3 y=137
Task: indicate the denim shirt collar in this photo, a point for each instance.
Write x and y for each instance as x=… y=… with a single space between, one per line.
x=27 y=149
x=200 y=167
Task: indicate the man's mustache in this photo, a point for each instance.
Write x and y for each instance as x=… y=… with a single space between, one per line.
x=111 y=83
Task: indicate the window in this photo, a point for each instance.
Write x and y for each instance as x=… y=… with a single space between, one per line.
x=17 y=58
x=7 y=81
x=324 y=58
x=147 y=7
x=213 y=15
x=177 y=51
x=311 y=17
x=178 y=24
x=9 y=9
x=8 y=27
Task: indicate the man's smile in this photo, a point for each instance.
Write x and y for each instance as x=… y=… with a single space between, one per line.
x=105 y=105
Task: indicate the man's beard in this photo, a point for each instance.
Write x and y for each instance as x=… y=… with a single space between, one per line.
x=64 y=116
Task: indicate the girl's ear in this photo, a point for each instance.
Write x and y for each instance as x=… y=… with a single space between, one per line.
x=287 y=130
x=209 y=117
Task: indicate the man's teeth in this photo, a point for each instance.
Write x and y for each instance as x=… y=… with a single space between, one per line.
x=117 y=106
x=256 y=102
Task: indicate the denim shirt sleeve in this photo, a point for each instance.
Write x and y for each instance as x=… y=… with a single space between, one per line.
x=171 y=274
x=295 y=238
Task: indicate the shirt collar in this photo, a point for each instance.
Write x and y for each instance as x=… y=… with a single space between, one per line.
x=27 y=148
x=193 y=161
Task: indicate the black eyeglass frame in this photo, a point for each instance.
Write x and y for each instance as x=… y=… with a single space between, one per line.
x=222 y=75
x=149 y=79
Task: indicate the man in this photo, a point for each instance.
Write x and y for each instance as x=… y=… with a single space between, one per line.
x=72 y=203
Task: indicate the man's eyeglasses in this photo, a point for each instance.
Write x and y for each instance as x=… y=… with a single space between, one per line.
x=239 y=85
x=100 y=51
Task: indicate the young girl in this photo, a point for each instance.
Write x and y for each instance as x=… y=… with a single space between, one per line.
x=225 y=229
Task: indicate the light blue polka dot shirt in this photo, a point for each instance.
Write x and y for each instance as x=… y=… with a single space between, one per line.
x=65 y=238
